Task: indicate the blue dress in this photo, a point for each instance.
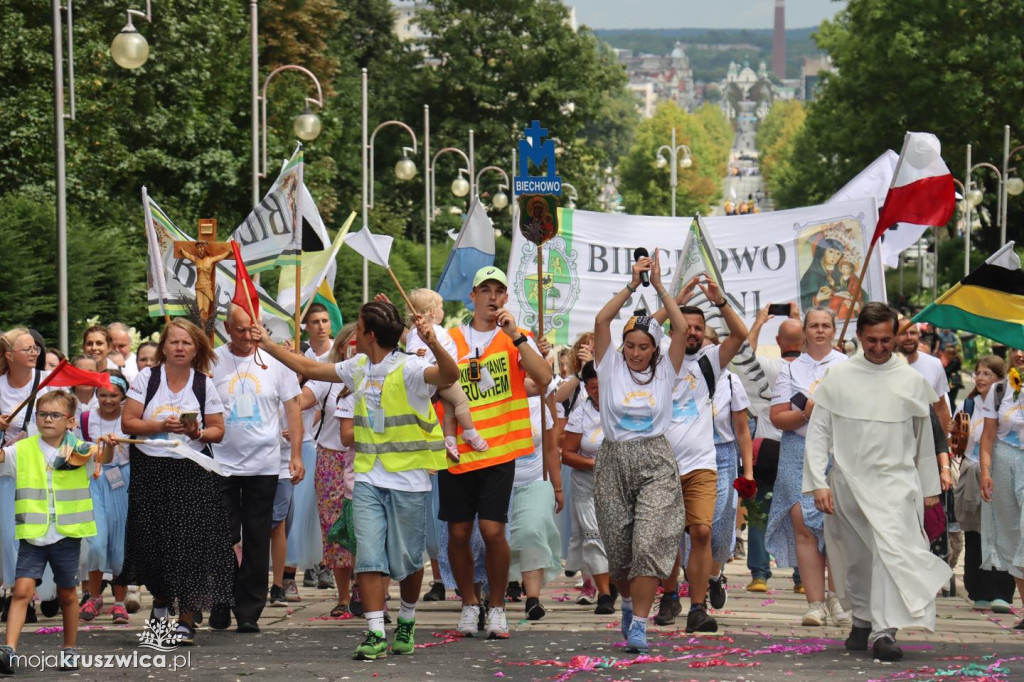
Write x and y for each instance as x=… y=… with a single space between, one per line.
x=779 y=536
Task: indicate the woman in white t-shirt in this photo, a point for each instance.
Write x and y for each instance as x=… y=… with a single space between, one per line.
x=1002 y=475
x=177 y=540
x=582 y=441
x=18 y=375
x=795 y=534
x=988 y=589
x=636 y=484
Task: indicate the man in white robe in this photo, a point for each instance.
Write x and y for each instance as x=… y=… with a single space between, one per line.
x=871 y=417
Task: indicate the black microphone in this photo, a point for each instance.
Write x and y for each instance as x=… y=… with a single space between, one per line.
x=638 y=253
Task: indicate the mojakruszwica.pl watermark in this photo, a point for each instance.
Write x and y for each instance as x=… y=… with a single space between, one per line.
x=158 y=636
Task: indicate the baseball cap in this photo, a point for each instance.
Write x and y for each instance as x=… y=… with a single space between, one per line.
x=489 y=272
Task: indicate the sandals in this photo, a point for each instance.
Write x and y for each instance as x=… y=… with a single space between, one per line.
x=341 y=611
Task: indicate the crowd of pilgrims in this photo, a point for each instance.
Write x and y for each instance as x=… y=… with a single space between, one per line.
x=349 y=463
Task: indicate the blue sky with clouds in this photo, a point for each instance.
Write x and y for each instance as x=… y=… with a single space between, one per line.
x=700 y=13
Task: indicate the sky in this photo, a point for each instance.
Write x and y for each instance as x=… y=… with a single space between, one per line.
x=700 y=13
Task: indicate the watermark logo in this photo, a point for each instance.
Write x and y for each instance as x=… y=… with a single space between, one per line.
x=159 y=634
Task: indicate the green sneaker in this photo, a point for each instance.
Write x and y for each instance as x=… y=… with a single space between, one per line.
x=373 y=647
x=404 y=642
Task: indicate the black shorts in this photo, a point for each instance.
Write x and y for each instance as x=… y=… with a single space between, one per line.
x=483 y=493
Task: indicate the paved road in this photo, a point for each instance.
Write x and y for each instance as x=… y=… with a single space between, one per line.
x=760 y=639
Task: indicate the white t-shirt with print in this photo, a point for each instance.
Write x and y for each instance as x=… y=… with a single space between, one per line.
x=1010 y=414
x=252 y=400
x=586 y=421
x=327 y=398
x=630 y=409
x=803 y=376
x=730 y=396
x=419 y=392
x=931 y=369
x=166 y=404
x=309 y=421
x=692 y=433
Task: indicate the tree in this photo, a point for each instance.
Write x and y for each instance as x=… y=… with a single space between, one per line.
x=645 y=187
x=947 y=68
x=775 y=141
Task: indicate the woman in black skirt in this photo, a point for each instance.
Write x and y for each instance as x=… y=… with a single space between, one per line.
x=177 y=542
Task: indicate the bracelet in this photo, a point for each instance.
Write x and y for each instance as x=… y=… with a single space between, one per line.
x=632 y=289
x=945 y=466
x=558 y=490
x=663 y=292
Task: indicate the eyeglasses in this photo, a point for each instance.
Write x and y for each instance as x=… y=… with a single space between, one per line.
x=47 y=416
x=31 y=350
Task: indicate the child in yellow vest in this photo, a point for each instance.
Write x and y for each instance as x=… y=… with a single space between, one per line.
x=53 y=512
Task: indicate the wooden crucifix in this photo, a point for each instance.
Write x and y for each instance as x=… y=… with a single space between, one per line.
x=205 y=252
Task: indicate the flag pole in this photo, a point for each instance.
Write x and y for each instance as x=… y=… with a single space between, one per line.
x=339 y=241
x=402 y=292
x=540 y=335
x=858 y=295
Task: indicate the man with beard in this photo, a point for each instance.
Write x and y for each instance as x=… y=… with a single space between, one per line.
x=871 y=422
x=691 y=435
x=929 y=366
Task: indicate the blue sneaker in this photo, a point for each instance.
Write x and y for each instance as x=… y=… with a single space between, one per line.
x=627 y=621
x=636 y=642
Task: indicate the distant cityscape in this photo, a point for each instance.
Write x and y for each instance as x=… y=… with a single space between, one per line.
x=655 y=78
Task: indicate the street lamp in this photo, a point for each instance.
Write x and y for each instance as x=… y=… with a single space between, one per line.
x=674 y=162
x=129 y=47
x=460 y=186
x=975 y=196
x=306 y=125
x=500 y=200
x=405 y=169
x=127 y=53
x=573 y=196
x=1011 y=186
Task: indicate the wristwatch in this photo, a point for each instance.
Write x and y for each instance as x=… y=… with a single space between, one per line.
x=721 y=304
x=521 y=340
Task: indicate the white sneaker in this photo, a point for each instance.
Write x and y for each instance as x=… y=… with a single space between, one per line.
x=132 y=602
x=835 y=610
x=469 y=622
x=817 y=615
x=497 y=624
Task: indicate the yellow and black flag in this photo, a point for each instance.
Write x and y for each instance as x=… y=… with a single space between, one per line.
x=989 y=301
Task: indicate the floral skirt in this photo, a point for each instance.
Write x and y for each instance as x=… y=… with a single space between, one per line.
x=334 y=480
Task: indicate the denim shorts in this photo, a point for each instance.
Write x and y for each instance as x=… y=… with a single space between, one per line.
x=282 y=500
x=390 y=530
x=61 y=555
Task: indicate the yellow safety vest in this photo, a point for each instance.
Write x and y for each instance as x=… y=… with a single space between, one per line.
x=70 y=490
x=409 y=440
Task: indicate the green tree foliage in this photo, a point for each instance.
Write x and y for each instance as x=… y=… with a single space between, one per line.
x=775 y=140
x=501 y=65
x=952 y=69
x=646 y=188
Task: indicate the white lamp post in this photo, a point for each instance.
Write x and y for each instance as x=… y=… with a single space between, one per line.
x=306 y=125
x=461 y=186
x=674 y=162
x=500 y=200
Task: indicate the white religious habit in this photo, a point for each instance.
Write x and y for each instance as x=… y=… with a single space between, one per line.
x=873 y=421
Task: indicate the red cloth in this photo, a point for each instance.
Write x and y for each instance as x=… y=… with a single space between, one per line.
x=64 y=375
x=243 y=284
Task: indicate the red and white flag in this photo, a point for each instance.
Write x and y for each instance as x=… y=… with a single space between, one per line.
x=921 y=194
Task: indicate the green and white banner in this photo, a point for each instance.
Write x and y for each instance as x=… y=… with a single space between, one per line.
x=809 y=255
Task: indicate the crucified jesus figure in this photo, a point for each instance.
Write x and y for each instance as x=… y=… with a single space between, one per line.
x=205 y=255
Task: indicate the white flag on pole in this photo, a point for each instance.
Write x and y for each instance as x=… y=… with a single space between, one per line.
x=375 y=248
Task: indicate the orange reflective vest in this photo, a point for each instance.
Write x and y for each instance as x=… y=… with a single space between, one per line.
x=501 y=414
